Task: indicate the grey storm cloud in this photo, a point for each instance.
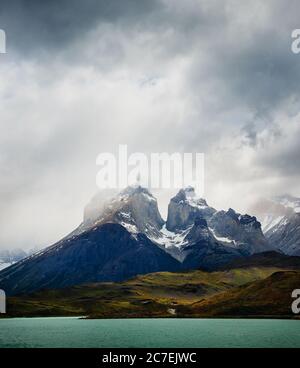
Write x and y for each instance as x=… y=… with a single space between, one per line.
x=50 y=25
x=80 y=77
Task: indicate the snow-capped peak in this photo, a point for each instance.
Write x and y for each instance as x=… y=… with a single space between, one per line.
x=135 y=208
x=135 y=189
x=189 y=196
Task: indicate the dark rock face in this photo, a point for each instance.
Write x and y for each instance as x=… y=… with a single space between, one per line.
x=204 y=251
x=209 y=256
x=199 y=231
x=184 y=208
x=265 y=259
x=107 y=253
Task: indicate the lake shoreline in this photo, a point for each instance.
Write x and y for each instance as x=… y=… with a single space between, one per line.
x=266 y=317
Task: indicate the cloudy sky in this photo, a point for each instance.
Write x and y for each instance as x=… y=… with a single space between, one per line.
x=80 y=77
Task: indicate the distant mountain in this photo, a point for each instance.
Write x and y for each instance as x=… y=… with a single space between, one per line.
x=123 y=235
x=286 y=234
x=270 y=212
x=281 y=219
x=265 y=259
x=11 y=256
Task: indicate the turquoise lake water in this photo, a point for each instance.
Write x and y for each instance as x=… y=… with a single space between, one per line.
x=151 y=333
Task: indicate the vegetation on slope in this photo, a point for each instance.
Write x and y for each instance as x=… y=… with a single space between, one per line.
x=161 y=294
x=270 y=297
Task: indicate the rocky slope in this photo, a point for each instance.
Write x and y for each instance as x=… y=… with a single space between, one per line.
x=286 y=234
x=106 y=253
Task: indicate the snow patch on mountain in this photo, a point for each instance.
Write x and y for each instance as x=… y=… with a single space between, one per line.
x=269 y=221
x=4 y=264
x=192 y=199
x=170 y=239
x=223 y=239
x=129 y=227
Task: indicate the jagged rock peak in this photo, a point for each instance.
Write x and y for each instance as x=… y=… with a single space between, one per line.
x=234 y=215
x=185 y=207
x=189 y=196
x=243 y=219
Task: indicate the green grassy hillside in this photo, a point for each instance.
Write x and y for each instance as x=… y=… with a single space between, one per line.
x=270 y=297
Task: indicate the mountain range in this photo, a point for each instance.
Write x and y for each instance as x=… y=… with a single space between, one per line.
x=123 y=235
x=11 y=256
